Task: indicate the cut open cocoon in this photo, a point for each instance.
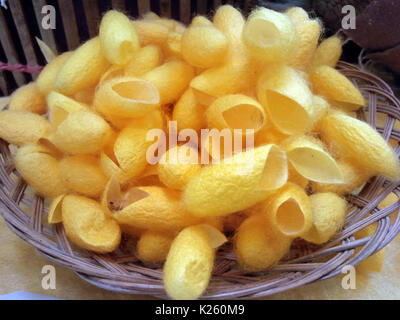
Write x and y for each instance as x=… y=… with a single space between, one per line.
x=269 y=35
x=287 y=98
x=55 y=210
x=289 y=211
x=308 y=157
x=126 y=97
x=236 y=183
x=236 y=111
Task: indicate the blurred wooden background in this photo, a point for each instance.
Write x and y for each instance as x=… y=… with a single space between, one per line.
x=77 y=21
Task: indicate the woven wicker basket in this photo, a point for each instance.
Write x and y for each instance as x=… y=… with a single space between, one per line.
x=26 y=215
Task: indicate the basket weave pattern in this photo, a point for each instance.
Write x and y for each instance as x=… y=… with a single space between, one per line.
x=121 y=271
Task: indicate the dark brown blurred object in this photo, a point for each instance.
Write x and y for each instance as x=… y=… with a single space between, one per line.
x=377 y=26
x=390 y=57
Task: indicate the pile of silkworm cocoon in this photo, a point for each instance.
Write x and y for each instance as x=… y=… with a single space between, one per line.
x=81 y=132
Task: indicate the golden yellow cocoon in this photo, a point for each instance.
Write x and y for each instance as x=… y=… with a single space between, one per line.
x=153 y=208
x=171 y=79
x=28 y=98
x=150 y=32
x=174 y=44
x=270 y=35
x=40 y=169
x=21 y=127
x=55 y=210
x=47 y=77
x=321 y=109
x=177 y=166
x=143 y=61
x=82 y=69
x=111 y=169
x=236 y=74
x=374 y=262
x=289 y=211
x=334 y=86
x=308 y=32
x=188 y=113
x=236 y=111
x=82 y=132
x=82 y=174
x=269 y=135
x=150 y=16
x=257 y=246
x=189 y=264
x=87 y=226
x=308 y=156
x=328 y=53
x=354 y=176
x=114 y=71
x=236 y=183
x=118 y=37
x=361 y=142
x=200 y=21
x=296 y=177
x=130 y=150
x=153 y=246
x=204 y=46
x=126 y=97
x=285 y=95
x=329 y=213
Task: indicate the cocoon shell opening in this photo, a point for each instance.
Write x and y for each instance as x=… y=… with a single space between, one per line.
x=137 y=91
x=290 y=217
x=263 y=33
x=288 y=116
x=244 y=116
x=275 y=173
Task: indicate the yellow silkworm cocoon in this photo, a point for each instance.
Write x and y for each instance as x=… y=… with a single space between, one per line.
x=82 y=174
x=151 y=33
x=257 y=246
x=60 y=106
x=308 y=32
x=285 y=95
x=236 y=111
x=87 y=226
x=111 y=169
x=152 y=120
x=309 y=158
x=374 y=262
x=236 y=74
x=204 y=46
x=334 y=86
x=150 y=16
x=270 y=35
x=143 y=61
x=328 y=53
x=189 y=264
x=188 y=113
x=236 y=183
x=321 y=109
x=55 y=210
x=82 y=132
x=28 y=98
x=118 y=38
x=171 y=79
x=269 y=135
x=86 y=96
x=114 y=71
x=153 y=246
x=21 y=127
x=153 y=208
x=126 y=97
x=130 y=150
x=289 y=211
x=178 y=166
x=83 y=69
x=174 y=44
x=361 y=142
x=200 y=21
x=47 y=77
x=39 y=167
x=329 y=213
x=354 y=176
